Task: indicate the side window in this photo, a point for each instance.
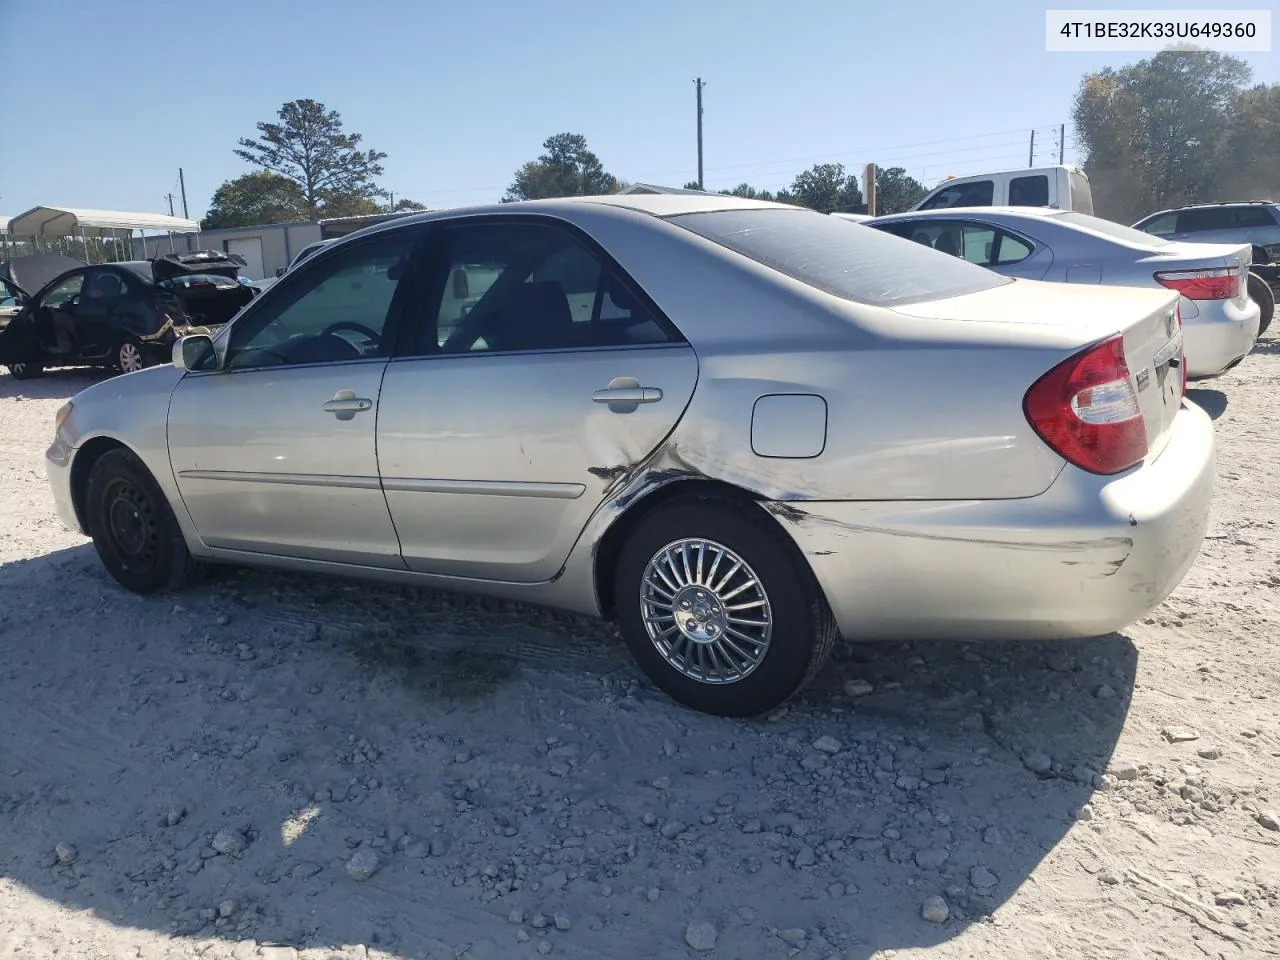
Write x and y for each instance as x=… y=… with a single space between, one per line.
x=1012 y=250
x=64 y=292
x=8 y=295
x=334 y=309
x=1253 y=217
x=1029 y=191
x=1200 y=219
x=976 y=194
x=1162 y=226
x=979 y=244
x=104 y=285
x=516 y=287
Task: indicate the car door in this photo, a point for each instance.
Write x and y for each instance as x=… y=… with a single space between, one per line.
x=503 y=428
x=104 y=292
x=274 y=451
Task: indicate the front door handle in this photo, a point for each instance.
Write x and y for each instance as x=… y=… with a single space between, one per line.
x=345 y=404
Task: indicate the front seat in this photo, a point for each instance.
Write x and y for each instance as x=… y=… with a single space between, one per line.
x=947 y=242
x=536 y=317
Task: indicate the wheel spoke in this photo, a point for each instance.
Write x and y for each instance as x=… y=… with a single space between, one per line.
x=733 y=570
x=747 y=585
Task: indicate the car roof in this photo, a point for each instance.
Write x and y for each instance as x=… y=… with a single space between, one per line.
x=1206 y=206
x=944 y=212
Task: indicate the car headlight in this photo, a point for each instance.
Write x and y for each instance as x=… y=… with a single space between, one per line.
x=60 y=417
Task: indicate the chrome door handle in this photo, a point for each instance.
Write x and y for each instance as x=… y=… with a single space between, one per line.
x=346 y=402
x=627 y=395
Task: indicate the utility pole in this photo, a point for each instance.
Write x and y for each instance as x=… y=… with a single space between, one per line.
x=169 y=197
x=699 y=84
x=183 y=186
x=1031 y=156
x=1062 y=142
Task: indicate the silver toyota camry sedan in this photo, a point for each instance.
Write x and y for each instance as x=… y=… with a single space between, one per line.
x=740 y=429
x=1220 y=322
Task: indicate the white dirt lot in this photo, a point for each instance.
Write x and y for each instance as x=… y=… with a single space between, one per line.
x=278 y=766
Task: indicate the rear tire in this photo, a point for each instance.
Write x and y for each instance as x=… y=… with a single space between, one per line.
x=722 y=666
x=133 y=527
x=26 y=371
x=129 y=356
x=1260 y=293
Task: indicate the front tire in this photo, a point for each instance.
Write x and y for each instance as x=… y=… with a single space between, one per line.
x=1260 y=293
x=133 y=527
x=719 y=608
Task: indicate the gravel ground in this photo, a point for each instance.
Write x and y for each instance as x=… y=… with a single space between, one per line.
x=277 y=766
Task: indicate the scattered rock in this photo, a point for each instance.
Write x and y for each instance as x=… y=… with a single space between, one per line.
x=857 y=687
x=1105 y=692
x=1085 y=812
x=555 y=881
x=652 y=894
x=541 y=921
x=1268 y=819
x=229 y=842
x=363 y=864
x=438 y=847
x=992 y=835
x=516 y=916
x=304 y=870
x=226 y=908
x=1123 y=770
x=931 y=859
x=935 y=910
x=1209 y=753
x=562 y=921
x=982 y=879
x=673 y=828
x=805 y=858
x=66 y=853
x=174 y=816
x=1037 y=762
x=1109 y=877
x=278 y=953
x=1061 y=663
x=701 y=936
x=522 y=935
x=794 y=935
x=828 y=745
x=544 y=947
x=1180 y=734
x=1229 y=898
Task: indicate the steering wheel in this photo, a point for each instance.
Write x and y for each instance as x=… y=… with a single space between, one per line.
x=350 y=325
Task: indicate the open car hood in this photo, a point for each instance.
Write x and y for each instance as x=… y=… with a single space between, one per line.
x=198 y=261
x=31 y=273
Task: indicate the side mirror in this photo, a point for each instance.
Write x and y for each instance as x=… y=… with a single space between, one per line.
x=194 y=352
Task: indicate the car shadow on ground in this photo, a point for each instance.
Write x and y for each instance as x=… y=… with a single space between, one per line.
x=1212 y=402
x=51 y=385
x=228 y=750
x=1269 y=346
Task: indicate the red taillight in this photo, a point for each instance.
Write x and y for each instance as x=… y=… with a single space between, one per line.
x=1086 y=409
x=1221 y=284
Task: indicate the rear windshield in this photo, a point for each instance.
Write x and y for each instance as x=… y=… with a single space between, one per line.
x=841 y=258
x=1109 y=228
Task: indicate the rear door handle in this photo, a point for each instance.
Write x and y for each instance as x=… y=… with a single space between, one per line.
x=345 y=404
x=627 y=395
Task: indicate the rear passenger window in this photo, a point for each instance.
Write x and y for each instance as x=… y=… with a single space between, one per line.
x=979 y=193
x=1161 y=226
x=1012 y=250
x=1029 y=191
x=523 y=287
x=1253 y=217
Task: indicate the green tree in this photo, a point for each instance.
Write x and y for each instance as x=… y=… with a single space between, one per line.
x=567 y=169
x=1153 y=131
x=1250 y=159
x=748 y=192
x=309 y=147
x=255 y=198
x=405 y=205
x=825 y=187
x=896 y=190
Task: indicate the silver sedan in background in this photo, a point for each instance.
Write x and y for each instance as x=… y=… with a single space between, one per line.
x=1220 y=321
x=740 y=429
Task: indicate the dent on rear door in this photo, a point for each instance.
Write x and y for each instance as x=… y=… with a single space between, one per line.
x=493 y=464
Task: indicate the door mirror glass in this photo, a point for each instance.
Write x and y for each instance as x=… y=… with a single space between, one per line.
x=195 y=352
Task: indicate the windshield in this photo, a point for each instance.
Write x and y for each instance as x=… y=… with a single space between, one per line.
x=841 y=258
x=1109 y=228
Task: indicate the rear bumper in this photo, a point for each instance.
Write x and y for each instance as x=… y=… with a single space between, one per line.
x=1089 y=556
x=1221 y=334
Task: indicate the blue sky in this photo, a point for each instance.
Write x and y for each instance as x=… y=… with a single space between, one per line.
x=105 y=101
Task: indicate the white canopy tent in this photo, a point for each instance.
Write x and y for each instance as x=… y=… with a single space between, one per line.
x=55 y=223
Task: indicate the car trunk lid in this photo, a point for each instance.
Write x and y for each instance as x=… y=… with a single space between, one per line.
x=1204 y=271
